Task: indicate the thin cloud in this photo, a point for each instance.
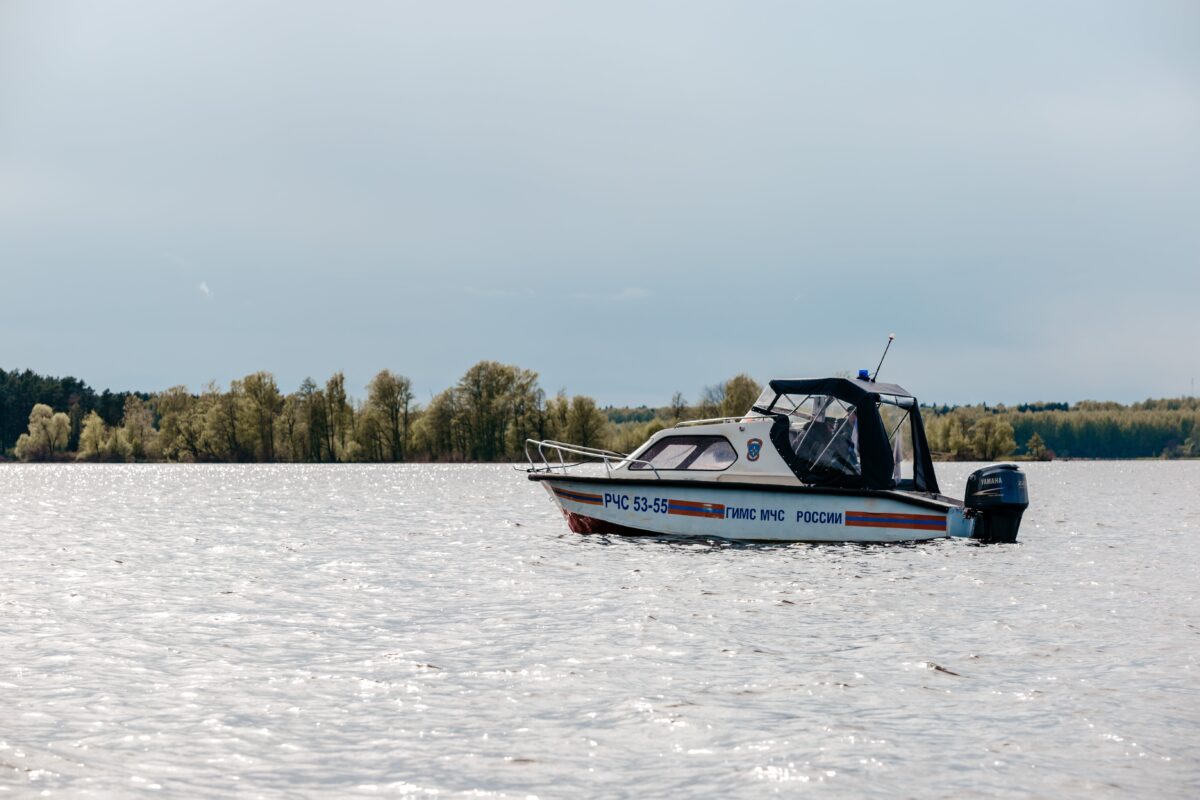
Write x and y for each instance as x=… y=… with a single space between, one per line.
x=498 y=293
x=629 y=294
x=204 y=290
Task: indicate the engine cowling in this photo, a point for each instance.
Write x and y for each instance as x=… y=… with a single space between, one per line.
x=997 y=497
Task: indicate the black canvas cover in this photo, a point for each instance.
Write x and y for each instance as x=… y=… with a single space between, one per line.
x=849 y=389
x=875 y=468
x=924 y=478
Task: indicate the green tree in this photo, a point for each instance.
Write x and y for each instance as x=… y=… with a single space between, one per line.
x=180 y=425
x=221 y=439
x=489 y=400
x=992 y=438
x=739 y=395
x=480 y=418
x=262 y=404
x=957 y=443
x=91 y=438
x=20 y=391
x=316 y=420
x=76 y=413
x=435 y=433
x=339 y=416
x=586 y=424
x=359 y=444
x=48 y=434
x=558 y=409
x=949 y=435
x=486 y=416
x=137 y=426
x=390 y=396
x=1036 y=448
x=291 y=439
x=525 y=407
x=371 y=442
x=116 y=446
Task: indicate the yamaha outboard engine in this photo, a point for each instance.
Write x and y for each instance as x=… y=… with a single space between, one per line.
x=996 y=498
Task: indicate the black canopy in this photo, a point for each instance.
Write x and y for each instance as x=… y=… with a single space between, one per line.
x=877 y=465
x=850 y=390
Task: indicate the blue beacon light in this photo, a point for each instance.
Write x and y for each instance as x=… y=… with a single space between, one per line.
x=864 y=374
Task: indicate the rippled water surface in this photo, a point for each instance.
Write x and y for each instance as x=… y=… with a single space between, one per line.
x=214 y=631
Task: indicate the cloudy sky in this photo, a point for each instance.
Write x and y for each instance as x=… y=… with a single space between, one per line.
x=629 y=198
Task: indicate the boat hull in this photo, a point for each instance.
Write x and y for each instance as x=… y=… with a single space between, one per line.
x=748 y=513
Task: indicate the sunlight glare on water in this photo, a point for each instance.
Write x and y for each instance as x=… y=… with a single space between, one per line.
x=202 y=631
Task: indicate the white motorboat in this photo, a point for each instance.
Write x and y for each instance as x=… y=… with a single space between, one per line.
x=817 y=460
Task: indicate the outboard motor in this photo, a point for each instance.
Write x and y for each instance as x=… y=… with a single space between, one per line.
x=996 y=498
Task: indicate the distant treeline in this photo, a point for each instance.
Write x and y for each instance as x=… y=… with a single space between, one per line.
x=1167 y=428
x=488 y=415
x=20 y=391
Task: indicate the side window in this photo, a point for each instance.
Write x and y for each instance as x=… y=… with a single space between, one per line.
x=718 y=455
x=688 y=452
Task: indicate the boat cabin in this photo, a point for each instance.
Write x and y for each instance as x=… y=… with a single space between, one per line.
x=850 y=433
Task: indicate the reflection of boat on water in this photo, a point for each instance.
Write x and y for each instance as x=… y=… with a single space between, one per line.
x=819 y=460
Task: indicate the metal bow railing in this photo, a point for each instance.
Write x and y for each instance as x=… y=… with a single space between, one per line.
x=547 y=450
x=753 y=417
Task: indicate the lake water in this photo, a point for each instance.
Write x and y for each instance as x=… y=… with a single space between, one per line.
x=284 y=631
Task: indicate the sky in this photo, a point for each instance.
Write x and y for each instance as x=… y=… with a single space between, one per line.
x=631 y=199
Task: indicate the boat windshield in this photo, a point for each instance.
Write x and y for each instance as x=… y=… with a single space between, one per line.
x=822 y=436
x=764 y=399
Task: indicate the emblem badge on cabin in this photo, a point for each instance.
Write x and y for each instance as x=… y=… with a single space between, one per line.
x=753 y=448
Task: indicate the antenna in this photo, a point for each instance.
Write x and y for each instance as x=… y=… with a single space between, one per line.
x=891 y=336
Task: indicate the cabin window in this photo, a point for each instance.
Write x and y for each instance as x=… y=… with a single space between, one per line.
x=897 y=422
x=688 y=452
